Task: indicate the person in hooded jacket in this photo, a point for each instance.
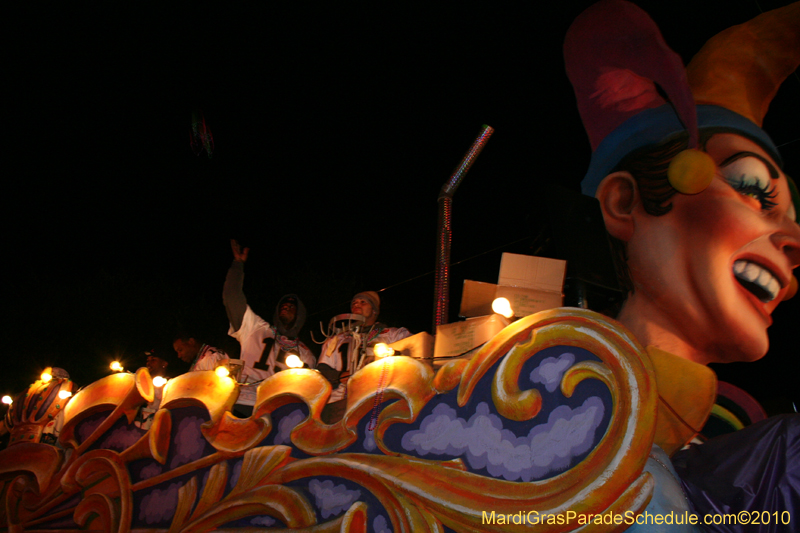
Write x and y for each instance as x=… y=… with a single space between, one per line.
x=264 y=346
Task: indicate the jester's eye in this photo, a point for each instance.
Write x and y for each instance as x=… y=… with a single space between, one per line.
x=752 y=178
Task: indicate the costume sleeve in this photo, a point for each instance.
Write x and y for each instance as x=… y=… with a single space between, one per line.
x=388 y=336
x=330 y=374
x=394 y=334
x=248 y=325
x=210 y=359
x=233 y=296
x=205 y=363
x=307 y=357
x=329 y=354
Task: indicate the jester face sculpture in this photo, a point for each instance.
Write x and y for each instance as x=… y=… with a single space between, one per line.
x=708 y=254
x=708 y=274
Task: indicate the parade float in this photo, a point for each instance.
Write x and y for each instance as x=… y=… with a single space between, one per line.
x=553 y=416
x=561 y=421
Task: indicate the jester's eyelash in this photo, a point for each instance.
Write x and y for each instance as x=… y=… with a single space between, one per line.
x=764 y=195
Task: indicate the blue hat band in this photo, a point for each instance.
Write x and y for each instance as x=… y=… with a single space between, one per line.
x=655 y=125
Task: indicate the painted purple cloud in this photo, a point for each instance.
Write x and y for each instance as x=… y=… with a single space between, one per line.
x=189 y=442
x=151 y=470
x=159 y=505
x=87 y=427
x=236 y=471
x=264 y=521
x=547 y=448
x=121 y=438
x=550 y=370
x=286 y=425
x=380 y=525
x=332 y=499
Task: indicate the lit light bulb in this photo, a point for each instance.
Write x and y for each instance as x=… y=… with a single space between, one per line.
x=46 y=376
x=159 y=381
x=293 y=361
x=116 y=366
x=222 y=371
x=64 y=394
x=382 y=350
x=501 y=306
x=7 y=400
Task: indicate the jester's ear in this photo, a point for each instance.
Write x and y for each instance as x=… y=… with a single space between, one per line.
x=618 y=194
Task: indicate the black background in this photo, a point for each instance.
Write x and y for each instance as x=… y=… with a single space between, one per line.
x=334 y=128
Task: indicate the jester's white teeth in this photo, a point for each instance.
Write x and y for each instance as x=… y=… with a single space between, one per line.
x=757 y=279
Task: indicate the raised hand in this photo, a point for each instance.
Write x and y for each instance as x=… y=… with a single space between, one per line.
x=239 y=254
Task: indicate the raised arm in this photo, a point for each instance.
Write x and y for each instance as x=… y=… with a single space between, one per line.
x=232 y=294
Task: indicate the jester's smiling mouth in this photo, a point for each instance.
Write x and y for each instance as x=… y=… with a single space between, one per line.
x=757 y=280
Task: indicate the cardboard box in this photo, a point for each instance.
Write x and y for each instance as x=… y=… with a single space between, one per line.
x=526 y=302
x=477 y=298
x=531 y=284
x=419 y=346
x=531 y=272
x=460 y=337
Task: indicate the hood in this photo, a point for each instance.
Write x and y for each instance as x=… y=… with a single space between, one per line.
x=293 y=330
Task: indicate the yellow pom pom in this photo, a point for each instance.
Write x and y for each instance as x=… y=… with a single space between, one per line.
x=691 y=171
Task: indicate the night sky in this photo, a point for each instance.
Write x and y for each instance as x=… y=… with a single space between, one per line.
x=334 y=130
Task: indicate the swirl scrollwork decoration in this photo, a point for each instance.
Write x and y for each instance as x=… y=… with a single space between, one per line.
x=198 y=467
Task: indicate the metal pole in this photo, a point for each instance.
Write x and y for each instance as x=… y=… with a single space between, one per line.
x=442 y=282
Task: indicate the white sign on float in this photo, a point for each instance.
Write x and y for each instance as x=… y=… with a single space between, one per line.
x=530 y=284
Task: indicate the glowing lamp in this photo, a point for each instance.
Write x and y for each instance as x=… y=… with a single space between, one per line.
x=383 y=350
x=293 y=361
x=46 y=376
x=7 y=400
x=116 y=366
x=222 y=371
x=64 y=394
x=501 y=306
x=159 y=381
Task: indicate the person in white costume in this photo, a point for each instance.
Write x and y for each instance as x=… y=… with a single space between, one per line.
x=346 y=352
x=265 y=347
